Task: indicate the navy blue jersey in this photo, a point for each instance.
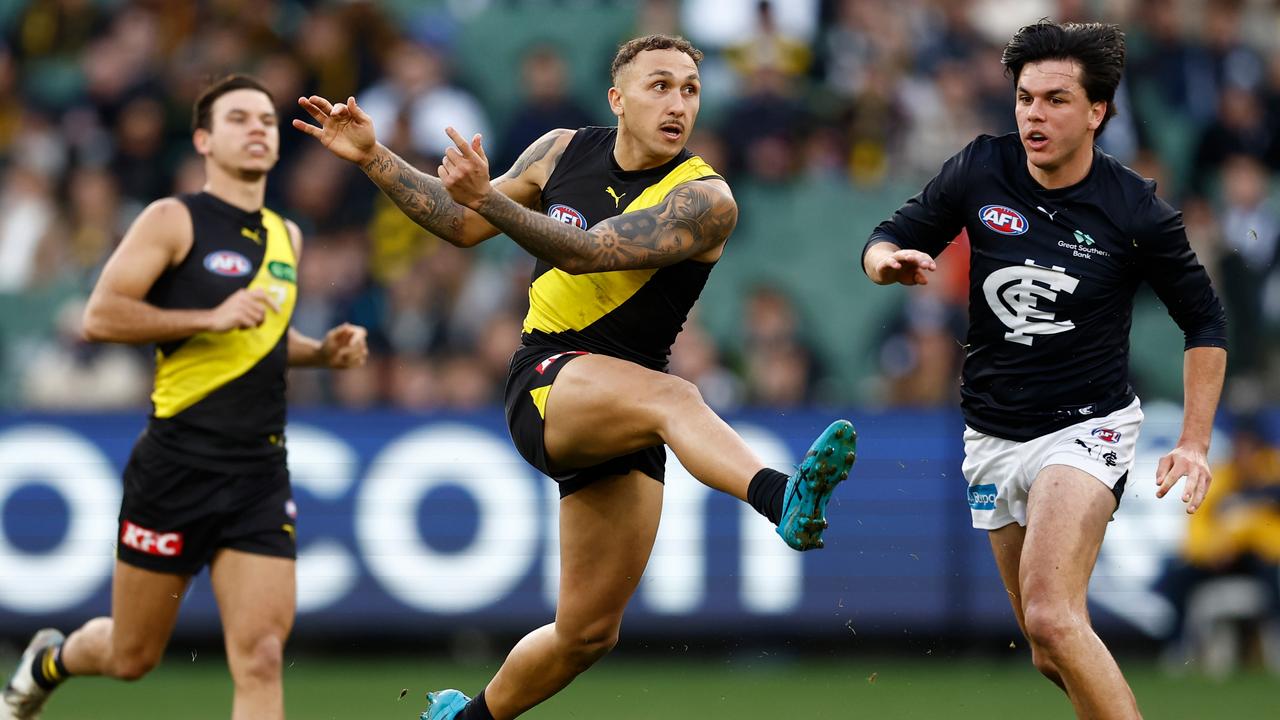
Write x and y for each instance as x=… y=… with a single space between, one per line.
x=1051 y=282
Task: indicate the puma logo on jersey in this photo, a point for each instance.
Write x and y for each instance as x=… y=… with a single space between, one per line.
x=617 y=199
x=1014 y=293
x=251 y=234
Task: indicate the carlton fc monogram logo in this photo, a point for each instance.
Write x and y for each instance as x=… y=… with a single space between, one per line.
x=1013 y=294
x=617 y=199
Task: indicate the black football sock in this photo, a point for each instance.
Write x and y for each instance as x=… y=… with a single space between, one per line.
x=47 y=668
x=477 y=709
x=766 y=492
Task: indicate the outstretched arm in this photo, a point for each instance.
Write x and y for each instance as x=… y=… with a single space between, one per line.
x=424 y=200
x=694 y=219
x=348 y=132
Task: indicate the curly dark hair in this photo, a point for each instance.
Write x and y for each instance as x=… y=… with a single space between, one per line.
x=628 y=50
x=1097 y=47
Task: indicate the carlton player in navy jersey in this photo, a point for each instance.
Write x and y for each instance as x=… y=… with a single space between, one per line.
x=211 y=279
x=626 y=225
x=1061 y=236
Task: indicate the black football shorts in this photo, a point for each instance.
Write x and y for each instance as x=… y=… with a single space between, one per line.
x=533 y=370
x=174 y=517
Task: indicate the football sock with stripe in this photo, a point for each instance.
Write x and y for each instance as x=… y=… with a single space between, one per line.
x=47 y=668
x=766 y=492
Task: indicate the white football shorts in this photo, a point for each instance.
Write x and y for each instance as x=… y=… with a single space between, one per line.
x=1000 y=472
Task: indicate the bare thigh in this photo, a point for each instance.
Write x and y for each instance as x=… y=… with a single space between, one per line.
x=1067 y=514
x=601 y=407
x=256 y=595
x=144 y=610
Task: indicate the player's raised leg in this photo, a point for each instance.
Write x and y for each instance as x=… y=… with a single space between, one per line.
x=130 y=643
x=1067 y=515
x=127 y=645
x=622 y=407
x=601 y=407
x=256 y=598
x=607 y=531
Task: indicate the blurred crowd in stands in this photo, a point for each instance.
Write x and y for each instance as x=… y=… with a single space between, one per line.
x=866 y=96
x=95 y=98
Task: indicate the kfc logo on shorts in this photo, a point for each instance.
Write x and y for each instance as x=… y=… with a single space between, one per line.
x=1107 y=435
x=1004 y=220
x=227 y=263
x=150 y=541
x=567 y=215
x=291 y=509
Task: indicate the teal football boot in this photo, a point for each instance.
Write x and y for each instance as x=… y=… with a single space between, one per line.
x=809 y=489
x=444 y=704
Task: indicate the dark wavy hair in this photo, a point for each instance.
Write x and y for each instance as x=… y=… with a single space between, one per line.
x=1097 y=47
x=629 y=49
x=202 y=111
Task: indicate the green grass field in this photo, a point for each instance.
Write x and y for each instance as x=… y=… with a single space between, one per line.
x=622 y=688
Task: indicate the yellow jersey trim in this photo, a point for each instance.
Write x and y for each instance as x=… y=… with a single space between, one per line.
x=559 y=301
x=207 y=361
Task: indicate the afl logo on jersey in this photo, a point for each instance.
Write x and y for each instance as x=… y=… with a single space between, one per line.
x=228 y=263
x=567 y=215
x=1002 y=219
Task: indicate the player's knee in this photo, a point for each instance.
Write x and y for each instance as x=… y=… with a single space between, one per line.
x=677 y=396
x=262 y=659
x=591 y=648
x=588 y=646
x=1050 y=624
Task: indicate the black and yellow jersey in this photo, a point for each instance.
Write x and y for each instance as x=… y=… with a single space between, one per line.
x=219 y=398
x=630 y=314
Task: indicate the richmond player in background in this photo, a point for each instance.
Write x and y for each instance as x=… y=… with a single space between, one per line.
x=626 y=224
x=1061 y=235
x=210 y=278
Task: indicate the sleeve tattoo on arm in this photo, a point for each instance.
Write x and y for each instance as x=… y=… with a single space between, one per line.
x=691 y=219
x=424 y=199
x=421 y=197
x=532 y=155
